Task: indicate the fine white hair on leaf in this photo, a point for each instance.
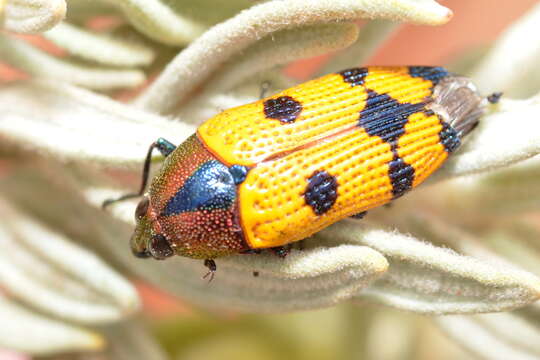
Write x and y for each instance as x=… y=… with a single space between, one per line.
x=278 y=48
x=494 y=336
x=26 y=57
x=33 y=16
x=76 y=124
x=304 y=280
x=308 y=279
x=432 y=280
x=207 y=106
x=32 y=333
x=46 y=270
x=206 y=54
x=507 y=135
x=283 y=47
x=158 y=21
x=372 y=34
x=103 y=49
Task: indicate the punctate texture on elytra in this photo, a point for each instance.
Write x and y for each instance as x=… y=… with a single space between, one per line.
x=280 y=169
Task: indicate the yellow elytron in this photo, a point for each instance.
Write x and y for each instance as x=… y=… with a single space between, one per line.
x=339 y=145
x=280 y=169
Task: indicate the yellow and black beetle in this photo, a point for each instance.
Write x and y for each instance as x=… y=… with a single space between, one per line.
x=278 y=170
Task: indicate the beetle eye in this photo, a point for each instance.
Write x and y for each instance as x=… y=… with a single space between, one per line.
x=160 y=248
x=142 y=208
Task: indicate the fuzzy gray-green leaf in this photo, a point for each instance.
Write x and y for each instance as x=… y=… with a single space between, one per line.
x=432 y=280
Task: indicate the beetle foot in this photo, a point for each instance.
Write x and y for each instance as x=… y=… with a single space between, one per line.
x=281 y=251
x=495 y=97
x=250 y=251
x=265 y=87
x=211 y=265
x=360 y=215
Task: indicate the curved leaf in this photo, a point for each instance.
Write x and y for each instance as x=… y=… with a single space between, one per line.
x=34 y=334
x=76 y=124
x=23 y=56
x=107 y=50
x=33 y=16
x=432 y=280
x=494 y=336
x=44 y=269
x=193 y=66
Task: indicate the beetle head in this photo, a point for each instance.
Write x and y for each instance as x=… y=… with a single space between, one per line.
x=144 y=241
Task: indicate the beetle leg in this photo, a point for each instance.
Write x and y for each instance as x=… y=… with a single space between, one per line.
x=250 y=251
x=495 y=97
x=281 y=251
x=265 y=86
x=211 y=265
x=360 y=215
x=165 y=148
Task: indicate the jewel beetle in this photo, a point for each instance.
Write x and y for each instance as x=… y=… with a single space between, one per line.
x=278 y=170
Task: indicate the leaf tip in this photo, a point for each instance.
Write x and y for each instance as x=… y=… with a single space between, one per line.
x=59 y=11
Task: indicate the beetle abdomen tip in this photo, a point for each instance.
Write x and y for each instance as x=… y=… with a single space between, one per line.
x=458 y=102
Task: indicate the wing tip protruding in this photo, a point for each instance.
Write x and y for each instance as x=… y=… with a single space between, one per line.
x=458 y=102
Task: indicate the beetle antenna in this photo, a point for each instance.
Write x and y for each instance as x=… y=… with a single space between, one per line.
x=165 y=148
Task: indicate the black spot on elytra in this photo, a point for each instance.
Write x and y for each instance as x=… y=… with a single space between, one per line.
x=321 y=192
x=354 y=76
x=385 y=117
x=284 y=108
x=431 y=73
x=401 y=176
x=449 y=137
